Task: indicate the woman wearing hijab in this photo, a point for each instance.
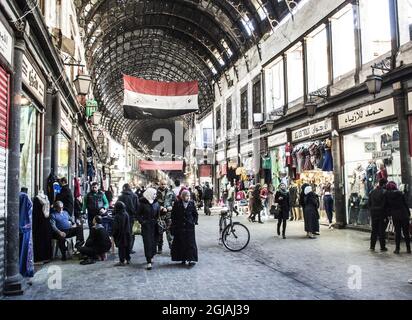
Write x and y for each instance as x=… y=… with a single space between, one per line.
x=282 y=198
x=257 y=205
x=121 y=233
x=184 y=219
x=398 y=209
x=147 y=216
x=310 y=212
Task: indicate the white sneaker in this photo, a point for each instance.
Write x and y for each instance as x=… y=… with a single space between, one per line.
x=149 y=266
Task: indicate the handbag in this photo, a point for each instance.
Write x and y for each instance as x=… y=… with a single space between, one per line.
x=137 y=228
x=275 y=210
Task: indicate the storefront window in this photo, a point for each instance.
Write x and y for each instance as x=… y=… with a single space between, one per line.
x=28 y=125
x=343 y=42
x=405 y=20
x=295 y=72
x=377 y=156
x=317 y=53
x=275 y=86
x=63 y=157
x=375 y=28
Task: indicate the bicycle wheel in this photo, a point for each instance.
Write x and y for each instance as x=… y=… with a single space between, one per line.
x=235 y=236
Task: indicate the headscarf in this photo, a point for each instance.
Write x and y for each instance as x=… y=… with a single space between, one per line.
x=391 y=186
x=183 y=193
x=283 y=190
x=308 y=190
x=150 y=195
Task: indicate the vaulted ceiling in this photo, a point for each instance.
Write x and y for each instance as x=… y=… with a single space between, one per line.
x=167 y=40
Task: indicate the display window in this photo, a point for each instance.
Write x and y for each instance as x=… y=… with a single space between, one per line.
x=63 y=156
x=28 y=138
x=377 y=156
x=279 y=169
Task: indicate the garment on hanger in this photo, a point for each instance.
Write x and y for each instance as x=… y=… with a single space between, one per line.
x=288 y=154
x=386 y=140
x=354 y=206
x=328 y=160
x=308 y=164
x=371 y=171
x=25 y=235
x=266 y=162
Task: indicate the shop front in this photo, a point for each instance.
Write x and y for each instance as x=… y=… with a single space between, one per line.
x=279 y=152
x=245 y=173
x=31 y=128
x=232 y=163
x=221 y=172
x=64 y=146
x=311 y=159
x=371 y=151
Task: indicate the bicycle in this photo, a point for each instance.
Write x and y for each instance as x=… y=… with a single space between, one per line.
x=234 y=235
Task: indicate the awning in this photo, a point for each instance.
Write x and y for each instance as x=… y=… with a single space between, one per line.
x=161 y=165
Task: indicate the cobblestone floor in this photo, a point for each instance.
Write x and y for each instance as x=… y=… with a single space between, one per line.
x=269 y=268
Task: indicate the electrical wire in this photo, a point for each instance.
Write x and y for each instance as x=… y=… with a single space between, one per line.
x=31 y=10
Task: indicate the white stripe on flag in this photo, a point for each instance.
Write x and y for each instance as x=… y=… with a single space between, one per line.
x=146 y=101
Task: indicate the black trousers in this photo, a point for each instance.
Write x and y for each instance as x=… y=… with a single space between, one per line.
x=402 y=226
x=253 y=216
x=207 y=207
x=89 y=252
x=132 y=236
x=124 y=253
x=73 y=232
x=280 y=222
x=378 y=232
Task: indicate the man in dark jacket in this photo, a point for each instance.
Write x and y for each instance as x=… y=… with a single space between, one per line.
x=97 y=244
x=398 y=209
x=66 y=196
x=121 y=233
x=131 y=201
x=95 y=202
x=207 y=197
x=164 y=220
x=376 y=204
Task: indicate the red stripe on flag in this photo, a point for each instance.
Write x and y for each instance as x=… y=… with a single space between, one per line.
x=161 y=165
x=157 y=88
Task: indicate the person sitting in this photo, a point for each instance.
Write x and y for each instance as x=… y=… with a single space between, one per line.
x=97 y=244
x=64 y=228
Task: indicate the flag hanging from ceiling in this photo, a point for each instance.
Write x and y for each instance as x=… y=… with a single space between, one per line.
x=148 y=98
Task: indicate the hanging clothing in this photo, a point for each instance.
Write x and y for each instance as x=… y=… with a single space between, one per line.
x=328 y=160
x=42 y=231
x=77 y=190
x=371 y=174
x=300 y=158
x=288 y=154
x=308 y=164
x=26 y=238
x=266 y=162
x=275 y=168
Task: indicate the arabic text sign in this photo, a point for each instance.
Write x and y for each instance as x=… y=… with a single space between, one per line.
x=367 y=113
x=32 y=80
x=315 y=129
x=6 y=43
x=386 y=154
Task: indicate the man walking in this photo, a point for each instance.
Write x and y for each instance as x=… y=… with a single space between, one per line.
x=376 y=203
x=207 y=197
x=131 y=202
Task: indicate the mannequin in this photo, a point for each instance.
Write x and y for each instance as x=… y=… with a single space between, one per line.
x=371 y=174
x=328 y=160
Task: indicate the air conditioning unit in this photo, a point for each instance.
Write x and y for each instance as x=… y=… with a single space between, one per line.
x=258 y=117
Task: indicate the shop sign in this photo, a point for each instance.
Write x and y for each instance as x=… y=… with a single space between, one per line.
x=220 y=156
x=367 y=113
x=32 y=80
x=386 y=154
x=232 y=153
x=66 y=123
x=6 y=43
x=315 y=129
x=277 y=139
x=246 y=149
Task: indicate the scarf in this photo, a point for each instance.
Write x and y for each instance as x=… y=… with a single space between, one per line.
x=150 y=195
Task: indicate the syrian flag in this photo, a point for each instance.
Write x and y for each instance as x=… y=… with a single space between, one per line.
x=148 y=98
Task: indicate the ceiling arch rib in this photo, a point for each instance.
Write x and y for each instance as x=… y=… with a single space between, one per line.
x=166 y=40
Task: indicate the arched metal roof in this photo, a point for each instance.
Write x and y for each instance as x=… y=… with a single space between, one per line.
x=167 y=40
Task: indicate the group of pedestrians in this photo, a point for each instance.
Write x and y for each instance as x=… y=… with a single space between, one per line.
x=387 y=201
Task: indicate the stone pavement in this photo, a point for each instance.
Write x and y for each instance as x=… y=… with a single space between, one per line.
x=336 y=265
